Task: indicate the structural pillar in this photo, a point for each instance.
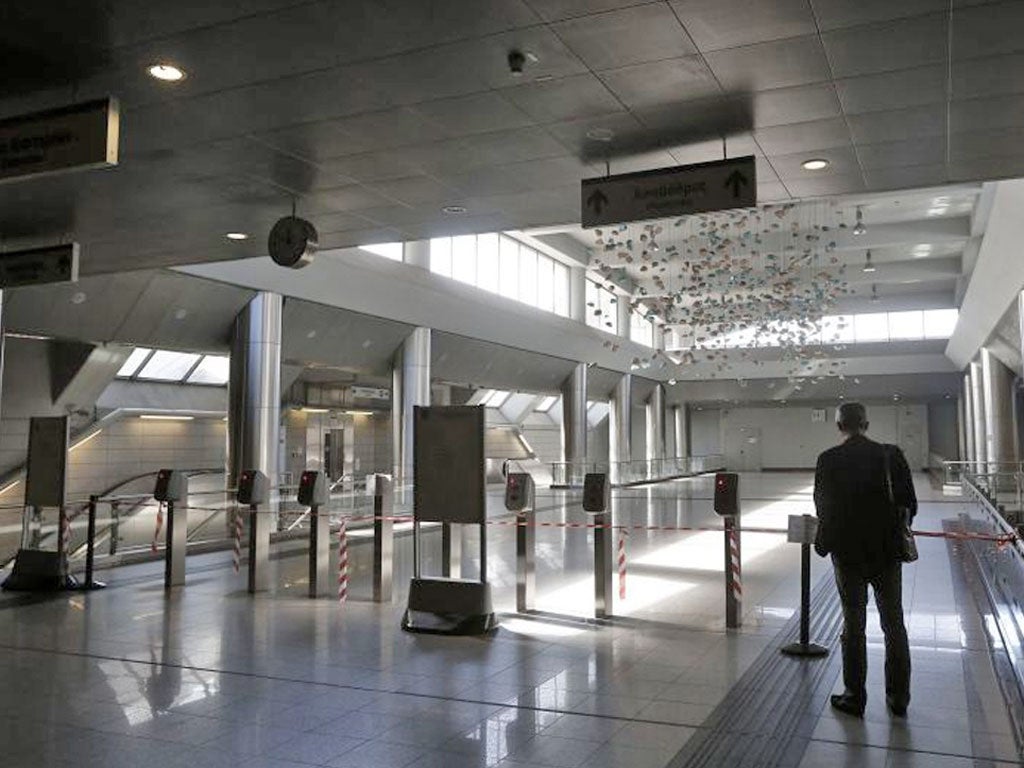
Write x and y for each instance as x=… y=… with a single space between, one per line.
x=978 y=418
x=411 y=387
x=417 y=253
x=574 y=421
x=622 y=313
x=961 y=428
x=656 y=424
x=254 y=388
x=578 y=294
x=970 y=452
x=997 y=391
x=679 y=414
x=620 y=426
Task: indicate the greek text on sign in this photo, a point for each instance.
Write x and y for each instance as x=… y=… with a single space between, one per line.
x=371 y=393
x=70 y=138
x=665 y=192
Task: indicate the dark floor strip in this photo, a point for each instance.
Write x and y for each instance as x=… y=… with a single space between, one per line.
x=768 y=716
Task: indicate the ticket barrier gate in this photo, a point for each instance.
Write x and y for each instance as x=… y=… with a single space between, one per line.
x=727 y=504
x=597 y=502
x=315 y=494
x=254 y=490
x=172 y=489
x=519 y=498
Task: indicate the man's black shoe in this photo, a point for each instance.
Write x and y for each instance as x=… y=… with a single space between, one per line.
x=848 y=704
x=896 y=709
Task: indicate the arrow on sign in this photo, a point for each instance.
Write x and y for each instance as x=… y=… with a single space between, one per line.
x=736 y=180
x=597 y=201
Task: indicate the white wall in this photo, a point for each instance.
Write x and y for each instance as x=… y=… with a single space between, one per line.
x=705 y=432
x=943 y=438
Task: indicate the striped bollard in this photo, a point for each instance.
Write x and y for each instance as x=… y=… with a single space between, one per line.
x=342 y=563
x=733 y=574
x=622 y=564
x=236 y=555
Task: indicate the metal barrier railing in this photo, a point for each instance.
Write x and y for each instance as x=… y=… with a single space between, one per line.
x=571 y=473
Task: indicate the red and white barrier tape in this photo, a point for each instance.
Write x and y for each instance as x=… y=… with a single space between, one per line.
x=734 y=565
x=342 y=562
x=159 y=525
x=622 y=564
x=236 y=555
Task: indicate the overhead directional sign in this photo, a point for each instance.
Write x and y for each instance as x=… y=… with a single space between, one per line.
x=70 y=138
x=53 y=264
x=667 y=192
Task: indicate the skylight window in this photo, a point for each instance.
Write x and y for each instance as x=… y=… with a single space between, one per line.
x=391 y=251
x=546 y=404
x=497 y=398
x=940 y=323
x=212 y=369
x=134 y=361
x=165 y=365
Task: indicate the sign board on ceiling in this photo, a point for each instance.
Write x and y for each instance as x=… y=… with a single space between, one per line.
x=665 y=192
x=76 y=137
x=53 y=264
x=371 y=393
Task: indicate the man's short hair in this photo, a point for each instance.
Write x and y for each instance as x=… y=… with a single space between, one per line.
x=851 y=416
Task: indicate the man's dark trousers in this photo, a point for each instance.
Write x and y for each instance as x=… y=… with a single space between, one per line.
x=887 y=583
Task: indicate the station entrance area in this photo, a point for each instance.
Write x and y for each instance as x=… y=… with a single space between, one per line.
x=209 y=674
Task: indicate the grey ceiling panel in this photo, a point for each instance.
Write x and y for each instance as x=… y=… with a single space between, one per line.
x=893 y=90
x=892 y=45
x=907 y=177
x=628 y=36
x=988 y=29
x=569 y=98
x=833 y=14
x=926 y=150
x=990 y=76
x=715 y=24
x=819 y=134
x=986 y=114
x=735 y=145
x=553 y=10
x=1006 y=142
x=802 y=104
x=477 y=113
x=826 y=185
x=460 y=360
x=991 y=166
x=660 y=82
x=797 y=61
x=897 y=125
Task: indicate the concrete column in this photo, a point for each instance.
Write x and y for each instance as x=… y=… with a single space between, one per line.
x=254 y=389
x=578 y=294
x=997 y=391
x=620 y=424
x=417 y=253
x=656 y=424
x=574 y=415
x=622 y=313
x=961 y=428
x=978 y=417
x=679 y=414
x=3 y=341
x=970 y=452
x=411 y=387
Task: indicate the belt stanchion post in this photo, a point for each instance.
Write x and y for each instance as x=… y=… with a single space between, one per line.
x=519 y=498
x=253 y=490
x=383 y=539
x=172 y=490
x=802 y=529
x=727 y=504
x=314 y=493
x=597 y=500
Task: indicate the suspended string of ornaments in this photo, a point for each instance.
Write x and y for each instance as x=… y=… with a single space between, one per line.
x=740 y=279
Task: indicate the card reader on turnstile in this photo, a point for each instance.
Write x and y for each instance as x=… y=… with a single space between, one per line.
x=171 y=485
x=253 y=488
x=596 y=492
x=519 y=492
x=313 y=490
x=727 y=494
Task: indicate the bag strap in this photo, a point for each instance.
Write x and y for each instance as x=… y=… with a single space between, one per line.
x=888 y=475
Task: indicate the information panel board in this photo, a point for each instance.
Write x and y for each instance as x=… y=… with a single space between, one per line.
x=46 y=473
x=448 y=456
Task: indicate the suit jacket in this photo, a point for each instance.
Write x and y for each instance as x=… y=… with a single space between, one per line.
x=858 y=524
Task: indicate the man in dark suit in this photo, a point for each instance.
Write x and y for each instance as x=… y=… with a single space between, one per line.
x=860 y=527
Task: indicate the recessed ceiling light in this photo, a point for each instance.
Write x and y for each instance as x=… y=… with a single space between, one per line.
x=454 y=209
x=236 y=236
x=859 y=228
x=601 y=134
x=815 y=164
x=868 y=264
x=166 y=72
x=78 y=297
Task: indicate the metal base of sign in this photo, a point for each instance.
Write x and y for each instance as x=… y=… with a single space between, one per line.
x=804 y=649
x=449 y=607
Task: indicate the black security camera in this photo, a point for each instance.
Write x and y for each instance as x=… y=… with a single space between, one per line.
x=516 y=62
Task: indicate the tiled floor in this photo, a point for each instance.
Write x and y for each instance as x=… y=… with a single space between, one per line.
x=211 y=676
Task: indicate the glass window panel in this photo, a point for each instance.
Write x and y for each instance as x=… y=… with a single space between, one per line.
x=561 y=290
x=528 y=276
x=487 y=262
x=509 y=268
x=545 y=405
x=871 y=327
x=168 y=366
x=906 y=325
x=641 y=330
x=441 y=256
x=391 y=251
x=464 y=258
x=592 y=295
x=212 y=369
x=497 y=398
x=610 y=311
x=940 y=323
x=135 y=359
x=545 y=283
x=837 y=329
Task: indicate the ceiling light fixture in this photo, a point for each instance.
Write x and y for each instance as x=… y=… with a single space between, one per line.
x=306 y=409
x=601 y=134
x=358 y=413
x=874 y=293
x=166 y=72
x=165 y=417
x=859 y=228
x=815 y=164
x=868 y=264
x=236 y=236
x=453 y=209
